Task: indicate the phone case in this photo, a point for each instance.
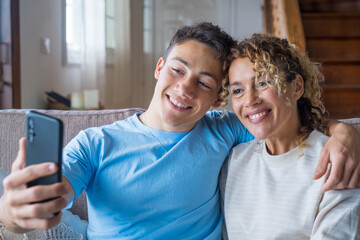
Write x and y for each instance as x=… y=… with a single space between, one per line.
x=44 y=137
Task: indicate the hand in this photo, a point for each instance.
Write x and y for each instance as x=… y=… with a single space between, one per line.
x=342 y=150
x=19 y=208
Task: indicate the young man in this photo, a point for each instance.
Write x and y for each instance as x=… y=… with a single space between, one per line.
x=153 y=175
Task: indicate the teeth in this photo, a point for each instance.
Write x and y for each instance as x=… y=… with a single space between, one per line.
x=176 y=103
x=255 y=116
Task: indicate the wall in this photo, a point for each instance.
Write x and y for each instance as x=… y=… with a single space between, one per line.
x=39 y=72
x=42 y=19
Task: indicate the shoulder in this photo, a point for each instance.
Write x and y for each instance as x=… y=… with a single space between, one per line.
x=251 y=146
x=216 y=115
x=316 y=139
x=96 y=135
x=223 y=120
x=243 y=152
x=346 y=200
x=124 y=124
x=226 y=124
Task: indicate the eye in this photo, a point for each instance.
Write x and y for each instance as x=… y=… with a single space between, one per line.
x=203 y=84
x=176 y=70
x=237 y=92
x=263 y=84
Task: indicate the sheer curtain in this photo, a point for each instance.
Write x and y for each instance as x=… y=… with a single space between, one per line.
x=112 y=79
x=123 y=81
x=121 y=88
x=93 y=64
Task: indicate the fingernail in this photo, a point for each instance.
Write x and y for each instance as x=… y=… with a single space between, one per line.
x=52 y=167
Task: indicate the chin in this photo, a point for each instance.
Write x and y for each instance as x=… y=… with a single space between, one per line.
x=259 y=134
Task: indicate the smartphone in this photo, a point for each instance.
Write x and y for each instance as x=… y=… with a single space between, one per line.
x=44 y=138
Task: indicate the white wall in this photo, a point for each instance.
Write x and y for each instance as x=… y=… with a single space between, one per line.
x=42 y=19
x=248 y=15
x=39 y=72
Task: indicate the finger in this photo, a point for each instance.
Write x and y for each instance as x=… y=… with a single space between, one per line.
x=350 y=168
x=39 y=193
x=39 y=210
x=29 y=174
x=324 y=160
x=40 y=223
x=19 y=162
x=355 y=178
x=335 y=175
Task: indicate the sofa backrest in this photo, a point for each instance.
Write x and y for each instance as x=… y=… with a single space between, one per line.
x=355 y=122
x=12 y=128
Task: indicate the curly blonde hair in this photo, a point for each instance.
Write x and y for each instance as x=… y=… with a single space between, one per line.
x=281 y=62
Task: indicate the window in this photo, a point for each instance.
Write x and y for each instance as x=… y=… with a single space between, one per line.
x=148 y=26
x=73 y=24
x=110 y=24
x=110 y=31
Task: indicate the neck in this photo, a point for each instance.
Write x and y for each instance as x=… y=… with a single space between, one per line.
x=283 y=141
x=278 y=146
x=144 y=119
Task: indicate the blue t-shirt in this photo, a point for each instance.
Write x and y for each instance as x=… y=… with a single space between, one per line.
x=145 y=183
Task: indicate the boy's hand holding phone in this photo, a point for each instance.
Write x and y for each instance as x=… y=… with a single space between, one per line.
x=18 y=212
x=25 y=205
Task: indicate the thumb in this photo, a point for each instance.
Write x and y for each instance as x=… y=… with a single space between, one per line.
x=19 y=162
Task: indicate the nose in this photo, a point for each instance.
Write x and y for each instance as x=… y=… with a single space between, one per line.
x=186 y=87
x=252 y=98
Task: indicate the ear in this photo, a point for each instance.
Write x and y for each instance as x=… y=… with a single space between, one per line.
x=299 y=87
x=217 y=102
x=159 y=66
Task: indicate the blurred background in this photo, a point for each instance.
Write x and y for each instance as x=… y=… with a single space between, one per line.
x=105 y=49
x=96 y=54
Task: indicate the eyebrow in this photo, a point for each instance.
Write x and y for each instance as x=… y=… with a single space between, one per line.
x=181 y=60
x=188 y=65
x=237 y=83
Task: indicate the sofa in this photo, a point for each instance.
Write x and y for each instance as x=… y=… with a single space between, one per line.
x=12 y=128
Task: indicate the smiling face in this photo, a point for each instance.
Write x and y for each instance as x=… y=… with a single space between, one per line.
x=263 y=111
x=188 y=85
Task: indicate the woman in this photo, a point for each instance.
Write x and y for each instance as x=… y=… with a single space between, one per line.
x=275 y=93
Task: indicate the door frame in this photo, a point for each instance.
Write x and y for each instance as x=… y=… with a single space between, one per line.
x=15 y=49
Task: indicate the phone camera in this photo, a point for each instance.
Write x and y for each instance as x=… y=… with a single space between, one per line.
x=31 y=132
x=31 y=123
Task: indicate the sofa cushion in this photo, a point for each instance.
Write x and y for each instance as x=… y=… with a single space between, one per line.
x=3 y=174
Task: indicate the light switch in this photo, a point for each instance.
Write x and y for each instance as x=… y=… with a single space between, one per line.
x=45 y=46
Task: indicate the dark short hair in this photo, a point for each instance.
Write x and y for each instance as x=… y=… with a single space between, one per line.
x=207 y=33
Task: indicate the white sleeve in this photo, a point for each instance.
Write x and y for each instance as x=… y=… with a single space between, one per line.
x=338 y=216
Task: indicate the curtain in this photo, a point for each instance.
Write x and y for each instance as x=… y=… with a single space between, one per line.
x=93 y=64
x=112 y=79
x=118 y=74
